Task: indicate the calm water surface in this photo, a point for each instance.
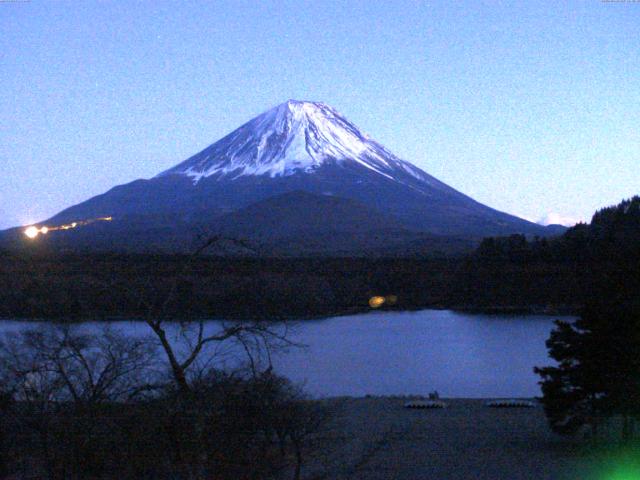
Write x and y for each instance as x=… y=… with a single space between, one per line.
x=398 y=353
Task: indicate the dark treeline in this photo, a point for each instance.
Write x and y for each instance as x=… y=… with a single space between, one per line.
x=77 y=287
x=600 y=255
x=594 y=386
x=613 y=236
x=504 y=274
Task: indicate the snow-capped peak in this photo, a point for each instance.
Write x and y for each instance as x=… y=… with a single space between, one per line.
x=294 y=137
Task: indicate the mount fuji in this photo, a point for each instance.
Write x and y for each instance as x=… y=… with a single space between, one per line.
x=296 y=165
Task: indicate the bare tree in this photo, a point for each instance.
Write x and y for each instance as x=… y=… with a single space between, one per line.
x=254 y=337
x=63 y=364
x=62 y=379
x=75 y=391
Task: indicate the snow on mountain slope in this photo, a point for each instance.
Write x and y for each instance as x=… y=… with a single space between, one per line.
x=295 y=137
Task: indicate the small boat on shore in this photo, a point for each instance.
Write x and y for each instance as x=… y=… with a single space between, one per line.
x=510 y=404
x=424 y=404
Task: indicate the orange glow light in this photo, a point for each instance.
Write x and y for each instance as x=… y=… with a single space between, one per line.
x=375 y=302
x=33 y=231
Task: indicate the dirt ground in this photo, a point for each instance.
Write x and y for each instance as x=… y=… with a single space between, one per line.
x=377 y=438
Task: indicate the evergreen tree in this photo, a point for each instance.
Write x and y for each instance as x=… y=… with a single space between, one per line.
x=598 y=370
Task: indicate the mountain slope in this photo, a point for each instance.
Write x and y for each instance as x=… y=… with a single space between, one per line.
x=292 y=224
x=303 y=213
x=298 y=223
x=297 y=146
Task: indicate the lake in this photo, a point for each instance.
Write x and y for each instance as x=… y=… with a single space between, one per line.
x=405 y=353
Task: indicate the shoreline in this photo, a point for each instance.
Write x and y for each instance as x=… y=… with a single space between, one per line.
x=377 y=438
x=545 y=310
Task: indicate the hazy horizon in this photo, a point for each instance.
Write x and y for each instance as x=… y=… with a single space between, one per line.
x=527 y=108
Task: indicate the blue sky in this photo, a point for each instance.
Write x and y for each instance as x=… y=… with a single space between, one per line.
x=530 y=107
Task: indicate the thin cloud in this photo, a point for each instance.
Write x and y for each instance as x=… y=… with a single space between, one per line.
x=553 y=218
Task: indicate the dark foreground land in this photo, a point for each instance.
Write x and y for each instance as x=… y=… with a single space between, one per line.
x=372 y=438
x=376 y=438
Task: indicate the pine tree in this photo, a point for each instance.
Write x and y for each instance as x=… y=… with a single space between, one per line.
x=598 y=370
